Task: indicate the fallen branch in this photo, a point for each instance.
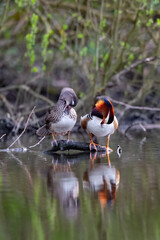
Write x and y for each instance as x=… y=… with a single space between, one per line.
x=63 y=145
x=23 y=129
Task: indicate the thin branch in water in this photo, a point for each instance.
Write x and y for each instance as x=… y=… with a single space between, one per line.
x=23 y=129
x=134 y=124
x=2 y=136
x=37 y=143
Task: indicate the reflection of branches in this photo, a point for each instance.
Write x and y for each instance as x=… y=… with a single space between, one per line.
x=24 y=167
x=74 y=157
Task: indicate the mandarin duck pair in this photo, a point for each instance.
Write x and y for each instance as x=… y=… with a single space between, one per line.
x=61 y=118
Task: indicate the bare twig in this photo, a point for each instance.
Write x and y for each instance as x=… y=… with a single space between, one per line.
x=7 y=104
x=29 y=90
x=37 y=143
x=2 y=136
x=23 y=129
x=5 y=14
x=82 y=8
x=128 y=106
x=135 y=64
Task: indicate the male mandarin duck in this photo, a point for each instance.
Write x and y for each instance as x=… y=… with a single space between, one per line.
x=100 y=122
x=61 y=118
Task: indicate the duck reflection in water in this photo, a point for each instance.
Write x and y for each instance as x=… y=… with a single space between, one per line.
x=103 y=180
x=64 y=185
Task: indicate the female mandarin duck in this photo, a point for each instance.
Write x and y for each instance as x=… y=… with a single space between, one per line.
x=61 y=118
x=100 y=122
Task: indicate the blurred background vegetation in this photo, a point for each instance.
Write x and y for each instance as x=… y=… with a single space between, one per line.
x=96 y=47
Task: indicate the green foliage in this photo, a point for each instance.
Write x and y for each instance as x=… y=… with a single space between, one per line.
x=44 y=45
x=83 y=51
x=150 y=21
x=131 y=57
x=31 y=40
x=24 y=3
x=158 y=21
x=105 y=36
x=103 y=24
x=80 y=35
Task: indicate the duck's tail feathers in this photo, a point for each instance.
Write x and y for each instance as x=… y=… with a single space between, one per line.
x=43 y=131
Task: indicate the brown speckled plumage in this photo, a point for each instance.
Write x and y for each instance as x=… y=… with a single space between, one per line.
x=61 y=113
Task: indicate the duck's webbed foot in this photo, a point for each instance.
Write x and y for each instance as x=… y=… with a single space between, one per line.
x=68 y=138
x=54 y=143
x=92 y=146
x=108 y=149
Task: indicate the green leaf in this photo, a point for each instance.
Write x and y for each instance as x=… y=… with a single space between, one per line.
x=35 y=69
x=106 y=56
x=122 y=44
x=150 y=21
x=131 y=57
x=80 y=35
x=103 y=24
x=65 y=26
x=83 y=51
x=158 y=21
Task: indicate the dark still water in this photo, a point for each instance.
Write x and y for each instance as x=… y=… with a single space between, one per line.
x=77 y=196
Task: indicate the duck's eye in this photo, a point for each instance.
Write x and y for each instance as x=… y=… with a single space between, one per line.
x=72 y=102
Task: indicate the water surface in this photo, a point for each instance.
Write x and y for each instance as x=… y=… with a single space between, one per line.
x=73 y=195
